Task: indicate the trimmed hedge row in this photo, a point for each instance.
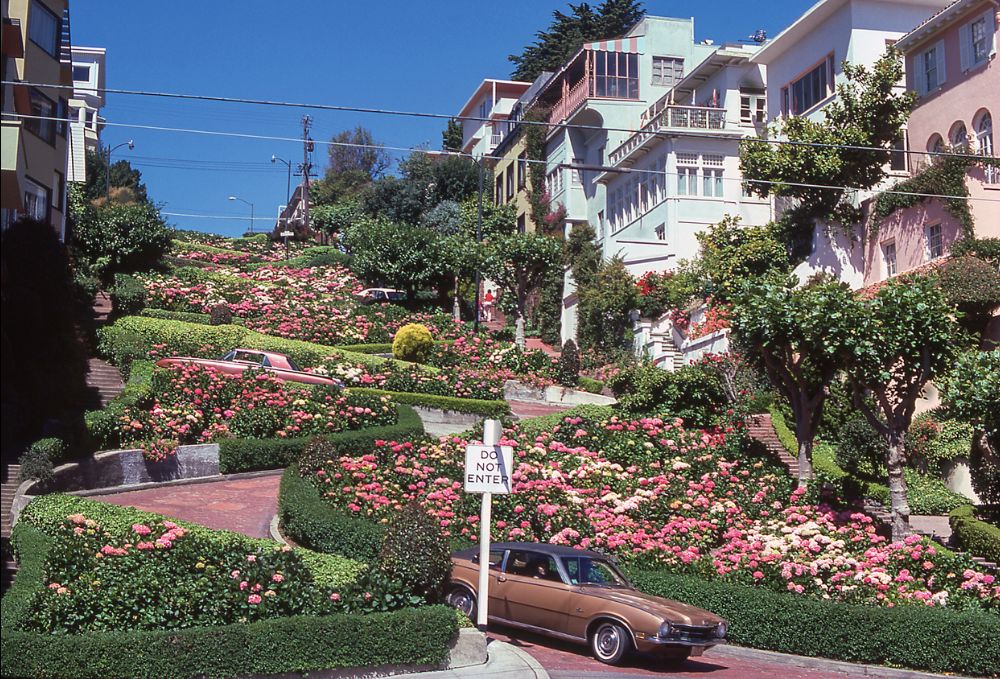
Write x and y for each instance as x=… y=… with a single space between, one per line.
x=917 y=637
x=312 y=522
x=295 y=644
x=974 y=535
x=130 y=337
x=496 y=409
x=186 y=316
x=590 y=385
x=244 y=455
x=383 y=348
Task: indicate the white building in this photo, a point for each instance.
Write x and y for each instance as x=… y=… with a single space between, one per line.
x=485 y=113
x=804 y=66
x=89 y=82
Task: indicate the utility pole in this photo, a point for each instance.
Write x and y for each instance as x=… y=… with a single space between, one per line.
x=307 y=148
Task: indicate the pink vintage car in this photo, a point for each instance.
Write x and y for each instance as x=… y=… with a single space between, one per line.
x=238 y=360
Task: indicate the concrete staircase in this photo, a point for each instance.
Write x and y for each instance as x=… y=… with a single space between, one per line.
x=105 y=379
x=9 y=485
x=762 y=430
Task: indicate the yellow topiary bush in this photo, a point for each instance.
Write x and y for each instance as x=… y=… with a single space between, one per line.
x=413 y=342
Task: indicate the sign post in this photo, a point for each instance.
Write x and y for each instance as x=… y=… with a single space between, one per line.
x=487 y=471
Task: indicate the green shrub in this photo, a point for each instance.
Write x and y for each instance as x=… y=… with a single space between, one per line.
x=121 y=237
x=862 y=451
x=416 y=552
x=917 y=637
x=413 y=342
x=40 y=459
x=186 y=316
x=244 y=455
x=312 y=522
x=533 y=426
x=932 y=442
x=973 y=535
x=569 y=364
x=590 y=385
x=128 y=295
x=381 y=348
x=694 y=393
x=475 y=406
x=104 y=425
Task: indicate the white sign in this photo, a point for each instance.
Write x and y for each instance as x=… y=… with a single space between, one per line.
x=488 y=468
x=287 y=234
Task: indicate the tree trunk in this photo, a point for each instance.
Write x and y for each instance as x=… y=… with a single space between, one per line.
x=805 y=462
x=456 y=308
x=900 y=506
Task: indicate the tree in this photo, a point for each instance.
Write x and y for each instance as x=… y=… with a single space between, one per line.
x=396 y=255
x=798 y=335
x=120 y=238
x=869 y=111
x=452 y=136
x=901 y=338
x=971 y=393
x=517 y=263
x=335 y=218
x=355 y=161
x=122 y=175
x=425 y=181
x=567 y=33
x=732 y=255
x=581 y=253
x=605 y=301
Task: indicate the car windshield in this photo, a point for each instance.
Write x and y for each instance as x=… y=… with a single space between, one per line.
x=397 y=296
x=585 y=570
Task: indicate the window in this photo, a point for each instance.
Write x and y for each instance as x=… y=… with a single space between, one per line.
x=687 y=181
x=600 y=225
x=522 y=169
x=81 y=73
x=59 y=183
x=667 y=71
x=510 y=181
x=897 y=159
x=984 y=145
x=485 y=106
x=976 y=41
x=959 y=136
x=712 y=182
x=576 y=176
x=43 y=124
x=554 y=181
x=929 y=69
x=62 y=114
x=617 y=75
x=889 y=256
x=935 y=245
x=810 y=89
x=36 y=200
x=498 y=193
x=44 y=29
x=935 y=144
x=532 y=565
x=753 y=108
x=661 y=232
x=521 y=223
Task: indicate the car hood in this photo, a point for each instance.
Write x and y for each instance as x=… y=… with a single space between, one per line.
x=670 y=610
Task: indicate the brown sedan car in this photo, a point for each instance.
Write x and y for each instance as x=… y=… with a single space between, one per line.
x=580 y=596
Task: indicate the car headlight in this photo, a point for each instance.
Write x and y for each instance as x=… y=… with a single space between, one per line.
x=665 y=630
x=720 y=630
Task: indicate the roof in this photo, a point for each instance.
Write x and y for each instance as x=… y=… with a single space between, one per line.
x=540 y=547
x=813 y=19
x=937 y=21
x=870 y=291
x=512 y=87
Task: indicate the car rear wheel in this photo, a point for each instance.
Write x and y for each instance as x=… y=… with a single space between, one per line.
x=610 y=642
x=462 y=599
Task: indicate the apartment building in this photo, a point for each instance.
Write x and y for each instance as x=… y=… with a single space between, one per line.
x=951 y=64
x=36 y=49
x=804 y=66
x=86 y=123
x=485 y=113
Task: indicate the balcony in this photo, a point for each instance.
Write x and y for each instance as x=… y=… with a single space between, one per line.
x=671 y=117
x=593 y=74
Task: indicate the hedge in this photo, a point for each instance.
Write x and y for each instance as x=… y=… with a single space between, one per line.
x=294 y=644
x=101 y=423
x=186 y=316
x=590 y=385
x=131 y=336
x=312 y=522
x=917 y=637
x=244 y=455
x=474 y=406
x=974 y=535
x=533 y=426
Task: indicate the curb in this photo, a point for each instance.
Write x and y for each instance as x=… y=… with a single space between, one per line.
x=807 y=662
x=128 y=488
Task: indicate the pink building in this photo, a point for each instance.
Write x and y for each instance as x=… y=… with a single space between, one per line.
x=951 y=63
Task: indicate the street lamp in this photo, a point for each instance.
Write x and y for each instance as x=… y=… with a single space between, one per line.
x=288 y=187
x=251 y=209
x=107 y=168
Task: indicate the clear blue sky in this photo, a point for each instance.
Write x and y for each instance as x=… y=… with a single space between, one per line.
x=417 y=56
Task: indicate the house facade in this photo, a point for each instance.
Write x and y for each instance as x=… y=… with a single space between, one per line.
x=86 y=123
x=36 y=49
x=951 y=65
x=804 y=67
x=485 y=113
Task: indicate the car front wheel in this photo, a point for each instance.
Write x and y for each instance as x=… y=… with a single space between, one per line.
x=610 y=642
x=462 y=599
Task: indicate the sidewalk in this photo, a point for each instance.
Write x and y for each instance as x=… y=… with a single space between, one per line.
x=503 y=661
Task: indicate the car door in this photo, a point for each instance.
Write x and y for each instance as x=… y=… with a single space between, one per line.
x=533 y=591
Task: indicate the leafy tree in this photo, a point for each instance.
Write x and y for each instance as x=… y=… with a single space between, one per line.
x=694 y=393
x=732 y=255
x=355 y=161
x=498 y=220
x=971 y=393
x=869 y=111
x=335 y=218
x=901 y=338
x=581 y=254
x=604 y=304
x=120 y=238
x=797 y=334
x=567 y=33
x=517 y=263
x=452 y=136
x=972 y=285
x=122 y=175
x=425 y=181
x=445 y=218
x=395 y=255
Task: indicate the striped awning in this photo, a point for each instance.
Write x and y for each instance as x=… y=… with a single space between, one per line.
x=626 y=45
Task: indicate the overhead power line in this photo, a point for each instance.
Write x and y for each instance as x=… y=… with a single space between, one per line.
x=445 y=116
x=459 y=154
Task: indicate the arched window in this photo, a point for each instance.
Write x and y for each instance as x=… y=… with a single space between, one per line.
x=959 y=136
x=935 y=144
x=984 y=134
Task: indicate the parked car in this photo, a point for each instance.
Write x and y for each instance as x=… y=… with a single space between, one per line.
x=239 y=360
x=581 y=596
x=380 y=295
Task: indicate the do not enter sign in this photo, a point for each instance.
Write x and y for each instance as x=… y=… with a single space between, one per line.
x=488 y=469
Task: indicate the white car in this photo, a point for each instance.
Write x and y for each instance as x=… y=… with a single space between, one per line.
x=382 y=295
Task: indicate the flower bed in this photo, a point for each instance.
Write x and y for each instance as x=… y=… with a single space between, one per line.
x=659 y=496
